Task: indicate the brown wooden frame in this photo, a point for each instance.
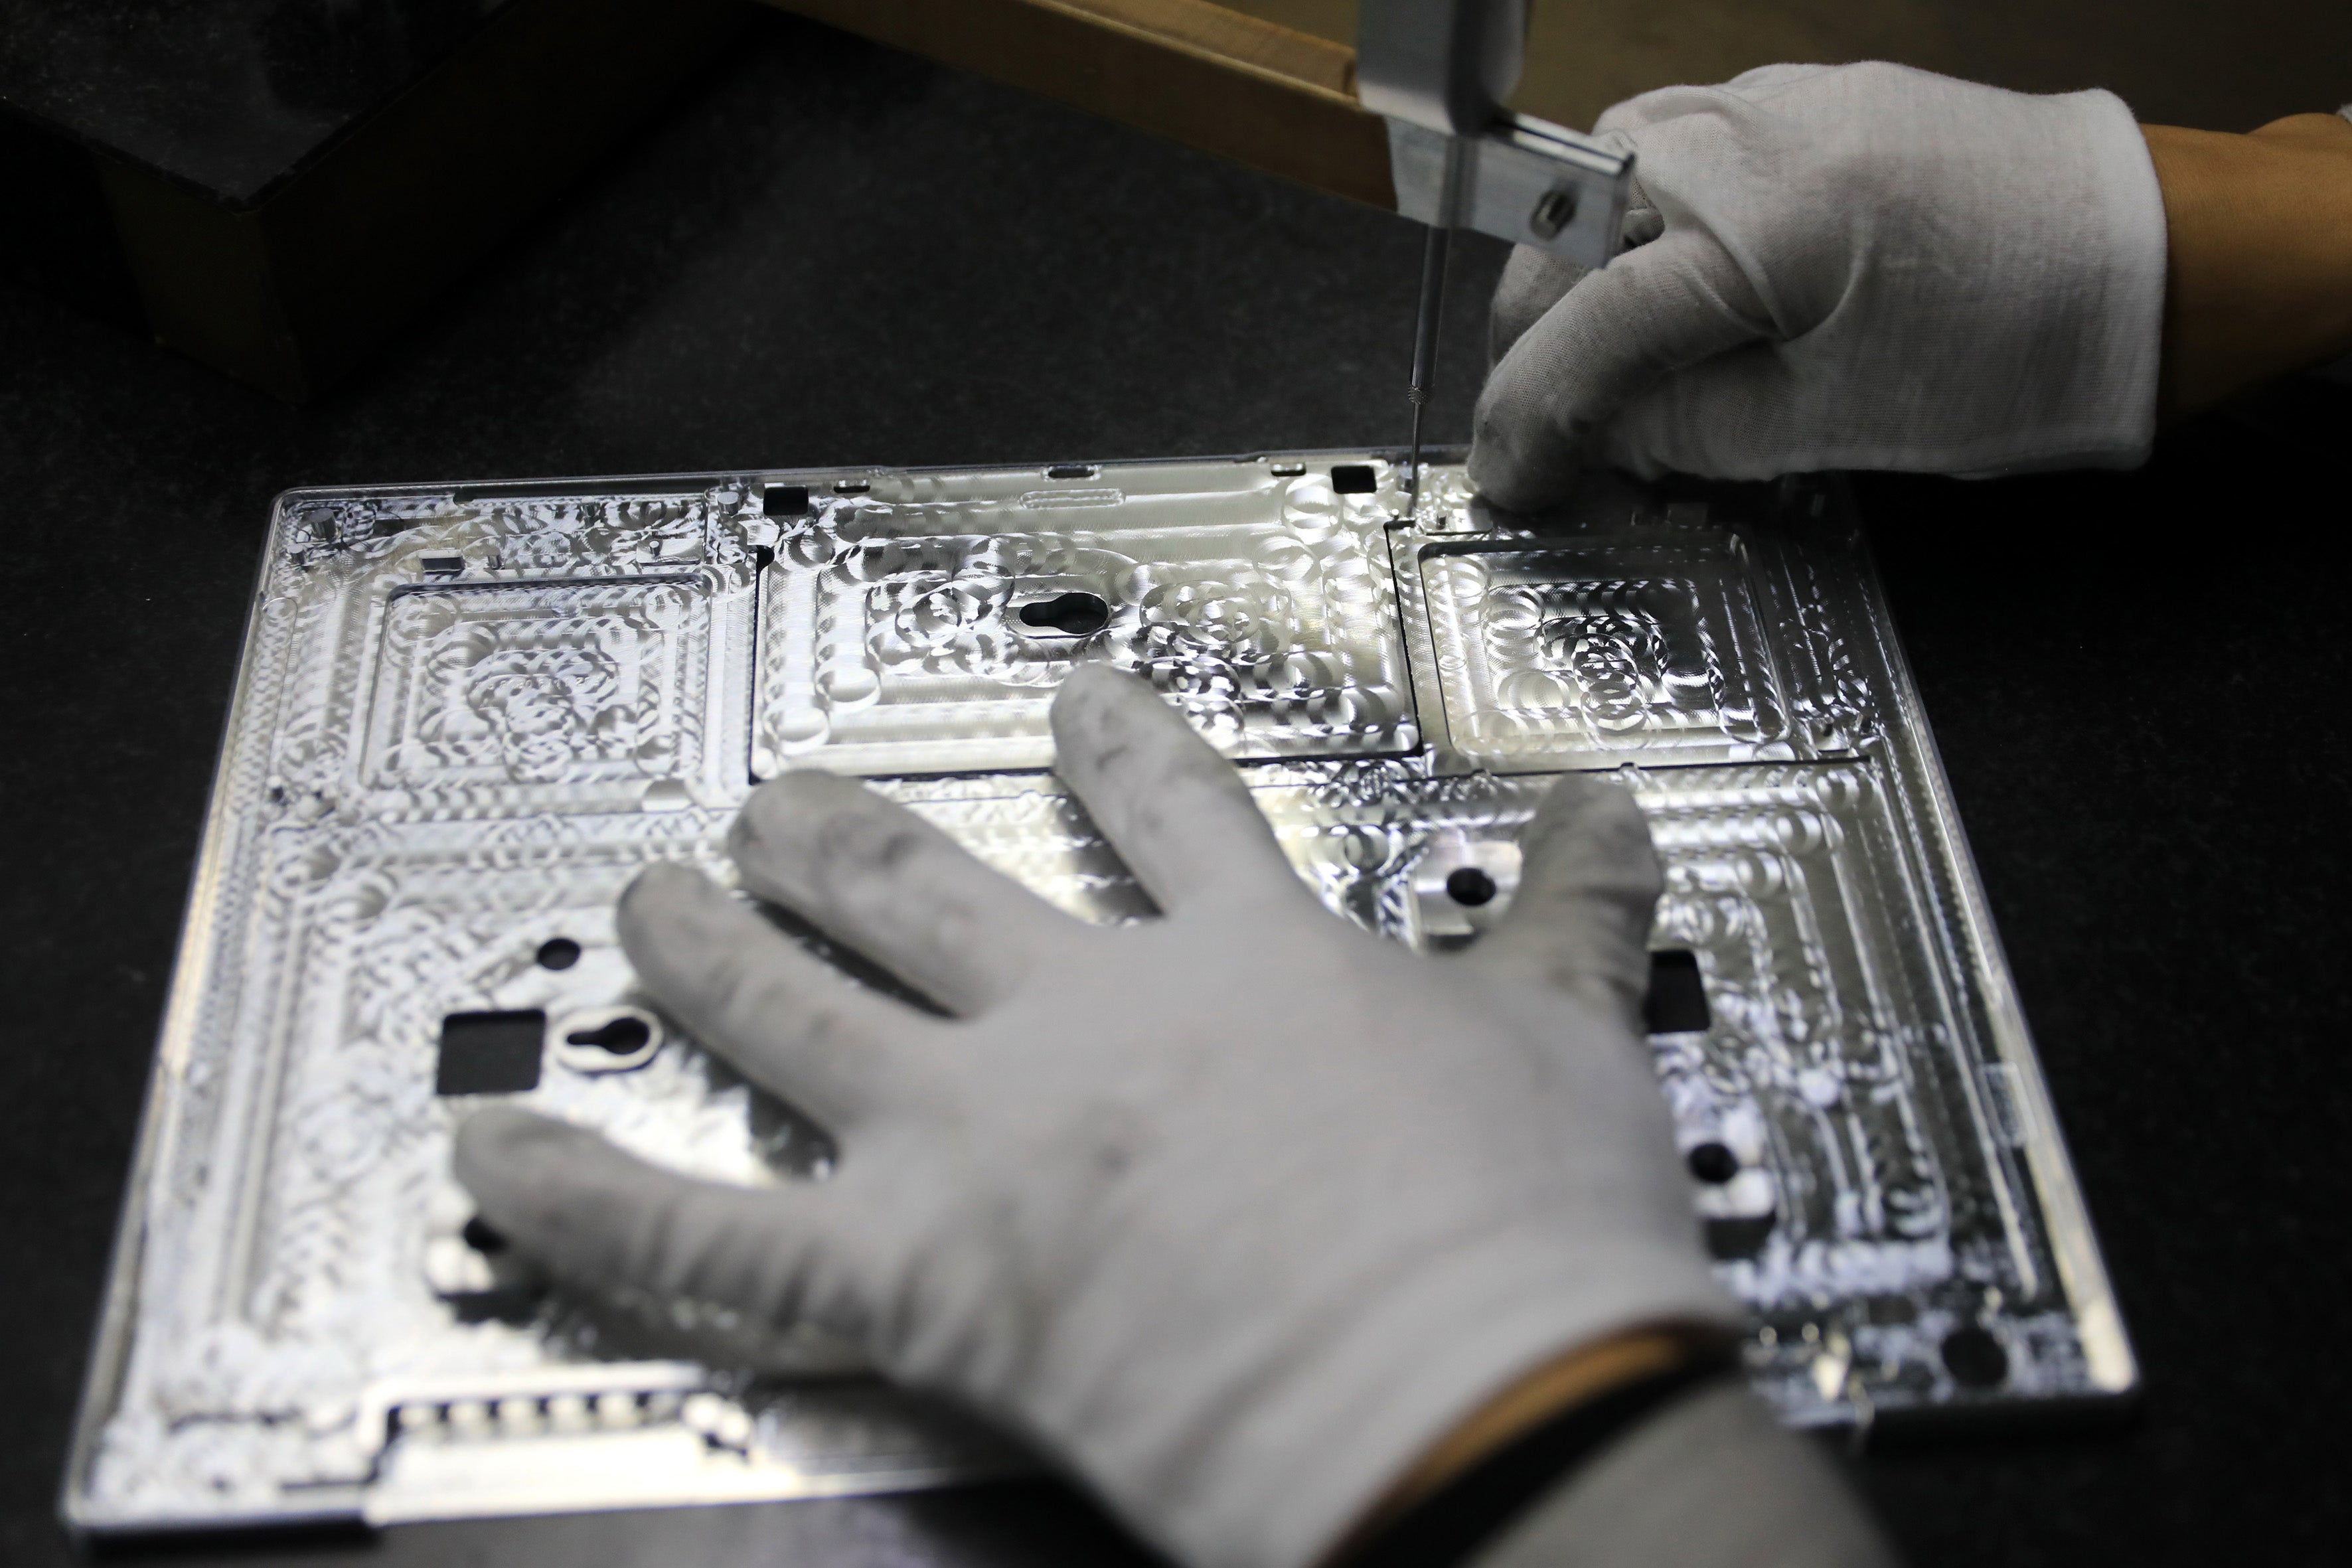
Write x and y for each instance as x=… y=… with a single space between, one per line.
x=1204 y=74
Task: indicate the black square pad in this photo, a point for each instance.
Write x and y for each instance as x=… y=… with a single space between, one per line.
x=489 y=1053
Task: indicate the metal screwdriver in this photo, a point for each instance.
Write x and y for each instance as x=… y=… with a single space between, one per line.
x=1426 y=319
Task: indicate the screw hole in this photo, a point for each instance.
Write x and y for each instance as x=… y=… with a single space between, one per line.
x=1974 y=1358
x=1470 y=886
x=478 y=1234
x=1712 y=1163
x=1554 y=212
x=558 y=953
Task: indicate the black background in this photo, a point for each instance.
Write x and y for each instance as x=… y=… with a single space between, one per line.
x=227 y=97
x=831 y=253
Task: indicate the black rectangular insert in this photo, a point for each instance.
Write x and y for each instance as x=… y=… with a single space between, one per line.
x=489 y=1053
x=1676 y=1003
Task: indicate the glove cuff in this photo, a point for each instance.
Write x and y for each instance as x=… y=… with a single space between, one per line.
x=2102 y=412
x=1328 y=1436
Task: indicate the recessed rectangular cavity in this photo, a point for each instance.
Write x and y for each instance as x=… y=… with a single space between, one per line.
x=1630 y=648
x=1676 y=1001
x=785 y=501
x=1354 y=478
x=1794 y=1016
x=520 y=685
x=1072 y=471
x=925 y=631
x=489 y=1053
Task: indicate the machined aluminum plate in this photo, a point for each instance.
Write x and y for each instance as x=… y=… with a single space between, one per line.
x=467 y=715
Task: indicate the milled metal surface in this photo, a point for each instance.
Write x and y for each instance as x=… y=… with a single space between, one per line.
x=467 y=716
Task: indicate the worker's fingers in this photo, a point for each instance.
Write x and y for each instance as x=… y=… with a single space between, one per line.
x=752 y=994
x=1589 y=886
x=1769 y=81
x=1628 y=118
x=1747 y=415
x=592 y=1213
x=1533 y=282
x=1669 y=304
x=1174 y=809
x=894 y=887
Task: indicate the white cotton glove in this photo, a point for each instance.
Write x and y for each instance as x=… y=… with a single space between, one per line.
x=1234 y=1212
x=1842 y=267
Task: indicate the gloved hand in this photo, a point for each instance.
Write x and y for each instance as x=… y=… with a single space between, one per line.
x=1234 y=1212
x=1834 y=266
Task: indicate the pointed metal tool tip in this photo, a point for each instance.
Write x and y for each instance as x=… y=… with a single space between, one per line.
x=1427 y=315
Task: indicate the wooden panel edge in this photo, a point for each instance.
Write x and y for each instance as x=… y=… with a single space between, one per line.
x=1226 y=37
x=1189 y=70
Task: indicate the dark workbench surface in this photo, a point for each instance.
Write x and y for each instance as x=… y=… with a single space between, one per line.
x=832 y=255
x=229 y=97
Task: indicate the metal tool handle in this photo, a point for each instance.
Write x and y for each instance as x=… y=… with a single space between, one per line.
x=1437 y=70
x=1444 y=64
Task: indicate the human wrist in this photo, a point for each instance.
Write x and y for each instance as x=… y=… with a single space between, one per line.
x=1332 y=1391
x=1572 y=1378
x=1528 y=1439
x=1706 y=1479
x=2259 y=268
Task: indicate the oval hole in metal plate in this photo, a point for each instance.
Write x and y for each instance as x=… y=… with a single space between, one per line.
x=1071 y=614
x=607 y=1039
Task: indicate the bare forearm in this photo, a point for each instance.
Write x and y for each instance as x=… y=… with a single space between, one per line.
x=2259 y=276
